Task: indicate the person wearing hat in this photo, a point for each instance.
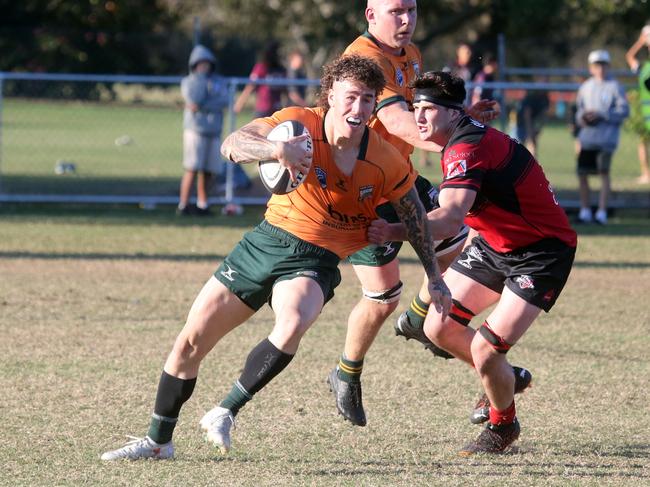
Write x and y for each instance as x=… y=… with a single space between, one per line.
x=601 y=109
x=206 y=96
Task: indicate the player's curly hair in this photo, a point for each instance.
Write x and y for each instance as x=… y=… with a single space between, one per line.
x=350 y=67
x=442 y=85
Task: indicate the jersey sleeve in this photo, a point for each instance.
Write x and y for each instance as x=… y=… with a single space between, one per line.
x=291 y=113
x=392 y=92
x=400 y=175
x=463 y=166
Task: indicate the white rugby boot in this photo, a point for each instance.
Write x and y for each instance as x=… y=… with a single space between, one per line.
x=141 y=448
x=217 y=423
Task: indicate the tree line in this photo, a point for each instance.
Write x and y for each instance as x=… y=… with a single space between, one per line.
x=145 y=37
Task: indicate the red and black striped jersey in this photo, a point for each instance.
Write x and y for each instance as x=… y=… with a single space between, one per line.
x=515 y=205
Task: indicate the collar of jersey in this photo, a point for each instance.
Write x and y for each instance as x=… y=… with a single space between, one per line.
x=373 y=39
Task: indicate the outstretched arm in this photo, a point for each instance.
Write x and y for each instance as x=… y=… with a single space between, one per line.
x=443 y=222
x=413 y=216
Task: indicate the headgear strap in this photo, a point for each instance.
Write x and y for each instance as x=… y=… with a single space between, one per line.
x=423 y=95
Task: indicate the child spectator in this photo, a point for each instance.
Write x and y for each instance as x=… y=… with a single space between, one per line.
x=601 y=109
x=205 y=96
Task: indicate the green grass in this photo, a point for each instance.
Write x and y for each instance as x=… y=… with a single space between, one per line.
x=37 y=134
x=91 y=300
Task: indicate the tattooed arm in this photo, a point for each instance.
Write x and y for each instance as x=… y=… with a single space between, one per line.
x=249 y=144
x=414 y=218
x=444 y=222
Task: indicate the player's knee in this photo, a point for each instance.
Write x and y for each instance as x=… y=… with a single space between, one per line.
x=188 y=349
x=388 y=299
x=433 y=328
x=291 y=326
x=487 y=348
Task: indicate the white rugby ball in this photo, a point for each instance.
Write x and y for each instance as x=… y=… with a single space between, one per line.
x=274 y=176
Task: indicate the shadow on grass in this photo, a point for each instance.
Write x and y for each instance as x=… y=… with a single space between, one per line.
x=112 y=256
x=519 y=465
x=89 y=185
x=576 y=264
x=128 y=185
x=125 y=215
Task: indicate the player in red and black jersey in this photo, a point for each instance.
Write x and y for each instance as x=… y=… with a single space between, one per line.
x=520 y=260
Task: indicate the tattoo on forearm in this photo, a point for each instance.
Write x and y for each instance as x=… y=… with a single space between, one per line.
x=246 y=145
x=413 y=216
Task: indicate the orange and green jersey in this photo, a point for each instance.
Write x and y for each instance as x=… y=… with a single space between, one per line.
x=331 y=209
x=399 y=72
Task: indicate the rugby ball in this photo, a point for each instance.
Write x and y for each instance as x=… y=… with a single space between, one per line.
x=273 y=175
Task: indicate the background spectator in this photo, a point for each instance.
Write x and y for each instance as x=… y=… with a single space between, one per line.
x=296 y=70
x=601 y=109
x=487 y=74
x=640 y=120
x=268 y=98
x=205 y=95
x=531 y=114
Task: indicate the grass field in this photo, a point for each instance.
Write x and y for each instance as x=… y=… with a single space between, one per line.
x=91 y=301
x=37 y=134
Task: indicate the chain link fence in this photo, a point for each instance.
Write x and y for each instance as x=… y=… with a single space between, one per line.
x=118 y=139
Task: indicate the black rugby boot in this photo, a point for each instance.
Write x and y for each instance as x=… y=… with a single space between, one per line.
x=348 y=398
x=404 y=328
x=493 y=439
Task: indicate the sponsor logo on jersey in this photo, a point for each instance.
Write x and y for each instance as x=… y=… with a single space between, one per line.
x=473 y=254
x=399 y=76
x=228 y=272
x=365 y=192
x=416 y=67
x=454 y=154
x=342 y=217
x=525 y=282
x=321 y=175
x=456 y=168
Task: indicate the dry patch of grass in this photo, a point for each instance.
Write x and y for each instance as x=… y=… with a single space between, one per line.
x=84 y=340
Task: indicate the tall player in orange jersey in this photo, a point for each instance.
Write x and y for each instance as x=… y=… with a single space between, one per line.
x=391 y=24
x=290 y=259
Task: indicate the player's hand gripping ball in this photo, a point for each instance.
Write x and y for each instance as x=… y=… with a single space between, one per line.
x=275 y=177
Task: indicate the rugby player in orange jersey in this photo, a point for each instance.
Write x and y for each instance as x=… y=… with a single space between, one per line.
x=290 y=260
x=391 y=24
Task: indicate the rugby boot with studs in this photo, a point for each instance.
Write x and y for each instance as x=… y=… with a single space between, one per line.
x=403 y=327
x=493 y=439
x=348 y=398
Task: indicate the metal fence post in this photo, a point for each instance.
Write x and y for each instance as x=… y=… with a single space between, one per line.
x=1 y=100
x=230 y=170
x=501 y=74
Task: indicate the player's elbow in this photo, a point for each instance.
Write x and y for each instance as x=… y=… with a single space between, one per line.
x=226 y=148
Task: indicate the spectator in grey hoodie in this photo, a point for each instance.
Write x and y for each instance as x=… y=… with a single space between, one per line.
x=206 y=96
x=601 y=109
